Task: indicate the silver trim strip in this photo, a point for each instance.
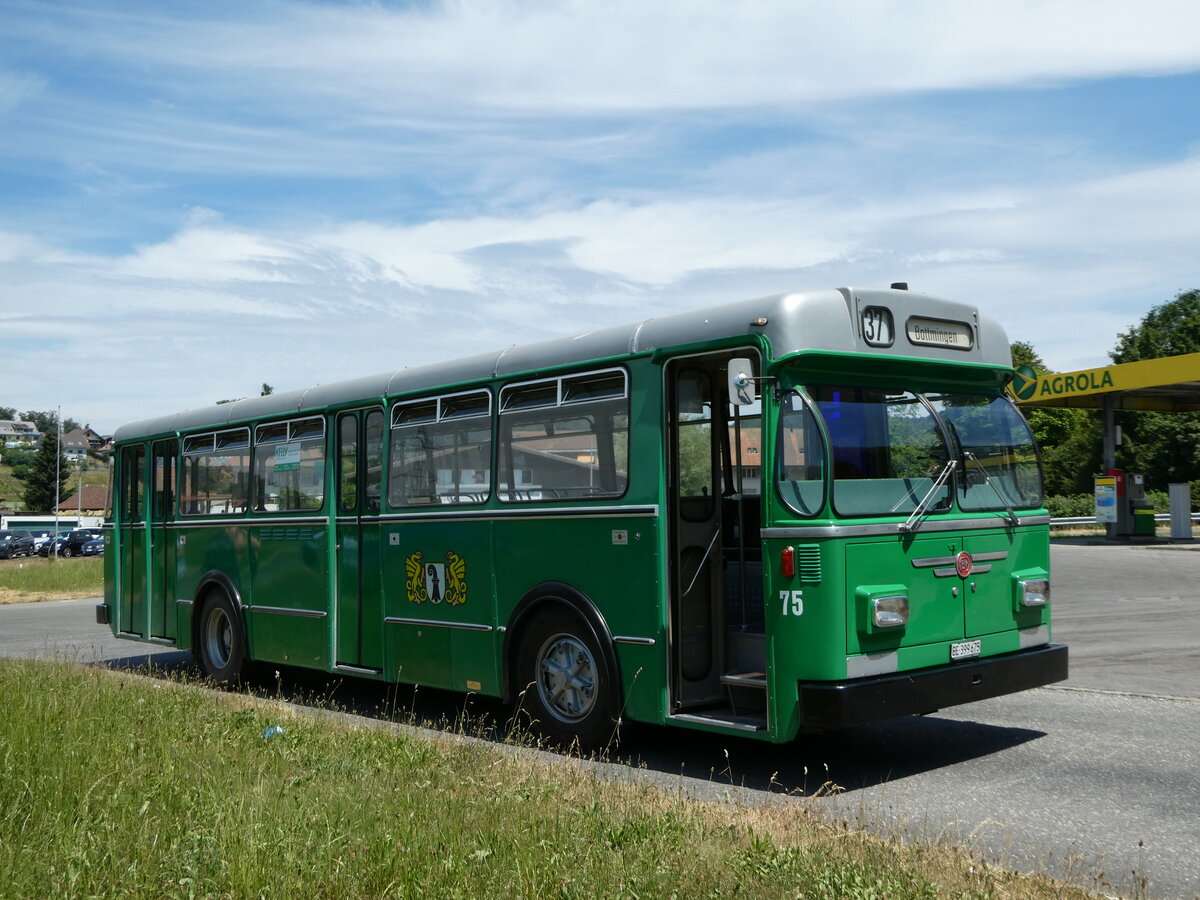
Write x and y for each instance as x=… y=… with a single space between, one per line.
x=953 y=571
x=289 y=611
x=723 y=723
x=170 y=642
x=928 y=526
x=872 y=664
x=182 y=602
x=1035 y=637
x=357 y=670
x=526 y=512
x=261 y=521
x=640 y=641
x=523 y=512
x=464 y=626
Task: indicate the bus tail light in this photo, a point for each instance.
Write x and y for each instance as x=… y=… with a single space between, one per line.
x=787 y=562
x=889 y=612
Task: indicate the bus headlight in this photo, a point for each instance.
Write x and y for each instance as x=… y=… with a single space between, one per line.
x=1035 y=592
x=889 y=612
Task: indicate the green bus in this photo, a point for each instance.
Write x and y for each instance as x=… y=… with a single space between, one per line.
x=801 y=512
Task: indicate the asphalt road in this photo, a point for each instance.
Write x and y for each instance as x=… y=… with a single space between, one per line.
x=1096 y=780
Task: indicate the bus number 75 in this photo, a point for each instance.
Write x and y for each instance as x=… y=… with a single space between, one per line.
x=793 y=602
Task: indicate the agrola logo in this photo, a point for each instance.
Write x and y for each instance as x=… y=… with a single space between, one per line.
x=1024 y=383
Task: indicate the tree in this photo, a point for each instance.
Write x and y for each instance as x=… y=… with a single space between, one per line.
x=41 y=489
x=43 y=420
x=1071 y=439
x=1165 y=447
x=1170 y=329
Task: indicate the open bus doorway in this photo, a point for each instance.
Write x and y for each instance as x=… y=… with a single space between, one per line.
x=717 y=640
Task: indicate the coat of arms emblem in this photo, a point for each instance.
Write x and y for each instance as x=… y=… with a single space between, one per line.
x=436 y=582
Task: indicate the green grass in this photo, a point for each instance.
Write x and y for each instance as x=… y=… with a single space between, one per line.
x=117 y=786
x=36 y=578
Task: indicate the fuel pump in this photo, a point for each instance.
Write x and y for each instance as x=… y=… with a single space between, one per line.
x=1135 y=516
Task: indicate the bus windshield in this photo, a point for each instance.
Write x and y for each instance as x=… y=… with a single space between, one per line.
x=890 y=449
x=1000 y=468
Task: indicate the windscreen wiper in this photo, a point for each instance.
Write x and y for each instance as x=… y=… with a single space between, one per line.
x=923 y=505
x=1011 y=516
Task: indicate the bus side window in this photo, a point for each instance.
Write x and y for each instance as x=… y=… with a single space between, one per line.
x=133 y=484
x=697 y=486
x=801 y=457
x=441 y=450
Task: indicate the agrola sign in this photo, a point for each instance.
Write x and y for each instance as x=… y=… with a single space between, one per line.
x=1167 y=383
x=1028 y=385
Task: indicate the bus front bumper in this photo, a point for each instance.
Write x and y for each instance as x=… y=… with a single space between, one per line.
x=839 y=704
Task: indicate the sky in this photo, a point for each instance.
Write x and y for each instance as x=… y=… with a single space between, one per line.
x=199 y=198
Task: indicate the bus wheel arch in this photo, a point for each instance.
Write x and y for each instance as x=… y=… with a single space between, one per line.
x=552 y=622
x=219 y=630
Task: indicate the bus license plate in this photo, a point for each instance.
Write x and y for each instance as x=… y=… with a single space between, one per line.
x=965 y=649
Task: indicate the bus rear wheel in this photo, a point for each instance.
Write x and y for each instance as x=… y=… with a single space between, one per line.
x=221 y=639
x=567 y=682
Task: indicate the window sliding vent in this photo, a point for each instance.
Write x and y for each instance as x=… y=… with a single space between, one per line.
x=586 y=387
x=468 y=405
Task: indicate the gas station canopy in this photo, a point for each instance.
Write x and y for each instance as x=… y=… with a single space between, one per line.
x=1167 y=384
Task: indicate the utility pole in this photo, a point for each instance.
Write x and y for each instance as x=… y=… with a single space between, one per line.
x=57 y=481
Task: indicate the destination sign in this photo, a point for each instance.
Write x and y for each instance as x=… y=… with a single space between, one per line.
x=939 y=333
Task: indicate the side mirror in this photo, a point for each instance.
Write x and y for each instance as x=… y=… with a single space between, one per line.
x=741 y=382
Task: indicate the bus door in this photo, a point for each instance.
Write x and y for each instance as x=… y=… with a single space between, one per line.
x=358 y=641
x=716 y=614
x=161 y=573
x=132 y=607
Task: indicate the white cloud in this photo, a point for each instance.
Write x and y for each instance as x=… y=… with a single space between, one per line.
x=577 y=56
x=446 y=178
x=213 y=305
x=208 y=254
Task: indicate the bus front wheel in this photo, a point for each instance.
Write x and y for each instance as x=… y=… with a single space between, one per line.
x=222 y=640
x=567 y=682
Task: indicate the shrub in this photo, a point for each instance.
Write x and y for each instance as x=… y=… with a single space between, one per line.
x=1063 y=506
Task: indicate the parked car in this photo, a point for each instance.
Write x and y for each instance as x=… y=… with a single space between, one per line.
x=14 y=542
x=94 y=548
x=40 y=537
x=69 y=544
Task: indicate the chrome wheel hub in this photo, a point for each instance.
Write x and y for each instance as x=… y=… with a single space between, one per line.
x=566 y=677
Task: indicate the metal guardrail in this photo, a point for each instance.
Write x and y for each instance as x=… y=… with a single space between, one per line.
x=1091 y=520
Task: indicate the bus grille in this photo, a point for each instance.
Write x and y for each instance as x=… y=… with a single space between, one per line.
x=808 y=563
